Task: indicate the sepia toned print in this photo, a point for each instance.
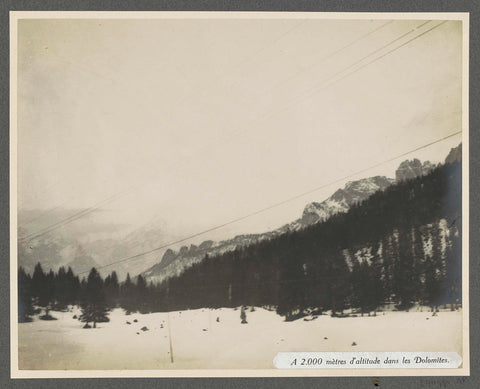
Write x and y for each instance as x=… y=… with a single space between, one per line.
x=198 y=194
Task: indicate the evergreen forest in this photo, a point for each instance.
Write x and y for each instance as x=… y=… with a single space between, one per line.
x=400 y=247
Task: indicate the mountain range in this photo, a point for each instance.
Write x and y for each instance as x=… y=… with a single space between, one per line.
x=78 y=245
x=174 y=263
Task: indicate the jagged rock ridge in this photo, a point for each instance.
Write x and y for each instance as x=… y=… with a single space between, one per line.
x=411 y=169
x=173 y=264
x=455 y=154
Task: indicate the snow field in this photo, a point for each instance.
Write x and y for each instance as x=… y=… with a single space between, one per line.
x=200 y=342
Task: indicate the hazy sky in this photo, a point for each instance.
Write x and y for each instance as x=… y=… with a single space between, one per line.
x=210 y=120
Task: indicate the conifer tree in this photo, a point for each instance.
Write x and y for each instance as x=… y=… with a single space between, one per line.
x=60 y=282
x=93 y=306
x=43 y=289
x=38 y=284
x=112 y=289
x=25 y=304
x=127 y=296
x=404 y=272
x=243 y=315
x=141 y=293
x=377 y=284
x=72 y=287
x=453 y=280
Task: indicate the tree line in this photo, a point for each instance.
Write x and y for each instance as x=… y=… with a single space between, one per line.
x=401 y=246
x=96 y=296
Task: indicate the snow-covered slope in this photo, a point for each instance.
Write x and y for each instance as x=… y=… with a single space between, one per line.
x=173 y=263
x=87 y=243
x=412 y=169
x=200 y=341
x=342 y=199
x=81 y=244
x=455 y=154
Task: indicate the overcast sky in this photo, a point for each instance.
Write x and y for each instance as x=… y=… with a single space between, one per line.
x=210 y=120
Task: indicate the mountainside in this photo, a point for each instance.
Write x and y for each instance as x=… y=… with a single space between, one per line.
x=455 y=155
x=90 y=243
x=53 y=252
x=174 y=263
x=411 y=169
x=342 y=199
x=400 y=247
x=76 y=246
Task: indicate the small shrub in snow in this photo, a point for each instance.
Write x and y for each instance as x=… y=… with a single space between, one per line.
x=47 y=317
x=243 y=316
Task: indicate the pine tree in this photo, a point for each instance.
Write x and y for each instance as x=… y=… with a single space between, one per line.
x=377 y=288
x=337 y=278
x=141 y=293
x=60 y=281
x=367 y=287
x=43 y=289
x=25 y=304
x=93 y=306
x=243 y=315
x=453 y=281
x=389 y=256
x=112 y=289
x=404 y=272
x=434 y=275
x=38 y=284
x=127 y=296
x=72 y=287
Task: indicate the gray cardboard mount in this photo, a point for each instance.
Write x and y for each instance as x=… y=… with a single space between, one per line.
x=472 y=7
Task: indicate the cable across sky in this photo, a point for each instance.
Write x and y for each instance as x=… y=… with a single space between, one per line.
x=325 y=83
x=275 y=205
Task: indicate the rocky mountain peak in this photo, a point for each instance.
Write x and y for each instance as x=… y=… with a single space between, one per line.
x=168 y=257
x=353 y=192
x=413 y=168
x=455 y=155
x=356 y=191
x=342 y=199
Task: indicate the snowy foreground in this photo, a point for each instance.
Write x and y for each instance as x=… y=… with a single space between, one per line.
x=200 y=342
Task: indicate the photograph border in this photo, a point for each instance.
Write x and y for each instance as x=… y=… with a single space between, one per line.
x=252 y=373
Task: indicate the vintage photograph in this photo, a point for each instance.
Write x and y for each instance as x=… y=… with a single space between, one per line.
x=194 y=193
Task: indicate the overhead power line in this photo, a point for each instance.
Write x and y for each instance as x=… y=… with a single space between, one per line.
x=132 y=188
x=108 y=200
x=316 y=63
x=390 y=51
x=132 y=257
x=182 y=100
